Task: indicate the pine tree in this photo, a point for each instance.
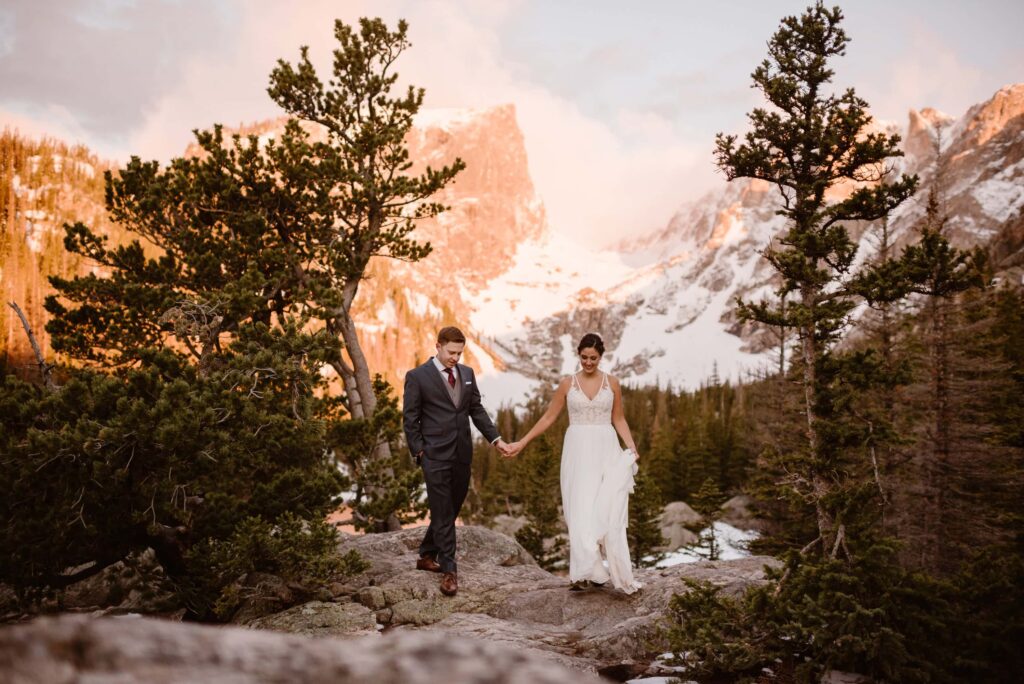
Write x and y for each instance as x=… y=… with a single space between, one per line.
x=661 y=457
x=246 y=233
x=363 y=202
x=539 y=473
x=211 y=328
x=707 y=501
x=808 y=142
x=366 y=204
x=643 y=532
x=161 y=456
x=939 y=272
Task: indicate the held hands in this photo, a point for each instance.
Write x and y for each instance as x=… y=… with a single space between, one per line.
x=508 y=450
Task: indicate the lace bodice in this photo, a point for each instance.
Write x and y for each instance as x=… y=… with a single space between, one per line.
x=585 y=411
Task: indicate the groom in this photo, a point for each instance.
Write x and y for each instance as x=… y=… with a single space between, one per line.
x=441 y=397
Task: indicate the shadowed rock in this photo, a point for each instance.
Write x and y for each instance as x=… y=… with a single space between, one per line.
x=73 y=649
x=674 y=522
x=739 y=512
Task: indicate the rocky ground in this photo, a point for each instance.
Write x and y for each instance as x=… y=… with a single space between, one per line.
x=504 y=597
x=508 y=612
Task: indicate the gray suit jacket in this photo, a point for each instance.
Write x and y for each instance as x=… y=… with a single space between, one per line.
x=434 y=424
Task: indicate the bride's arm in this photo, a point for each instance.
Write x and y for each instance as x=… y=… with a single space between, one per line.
x=549 y=417
x=619 y=416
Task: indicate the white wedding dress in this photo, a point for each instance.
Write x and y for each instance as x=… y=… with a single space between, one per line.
x=596 y=478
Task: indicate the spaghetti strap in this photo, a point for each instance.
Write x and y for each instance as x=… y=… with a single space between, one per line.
x=604 y=381
x=576 y=381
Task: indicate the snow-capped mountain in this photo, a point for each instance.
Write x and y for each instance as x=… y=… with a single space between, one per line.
x=669 y=316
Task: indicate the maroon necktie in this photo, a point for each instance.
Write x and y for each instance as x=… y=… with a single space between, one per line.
x=451 y=377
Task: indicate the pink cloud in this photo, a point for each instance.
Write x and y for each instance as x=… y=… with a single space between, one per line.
x=599 y=180
x=927 y=73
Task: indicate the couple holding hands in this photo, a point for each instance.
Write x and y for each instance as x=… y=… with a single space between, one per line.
x=442 y=397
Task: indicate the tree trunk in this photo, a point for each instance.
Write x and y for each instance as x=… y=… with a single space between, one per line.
x=819 y=484
x=941 y=433
x=364 y=403
x=360 y=367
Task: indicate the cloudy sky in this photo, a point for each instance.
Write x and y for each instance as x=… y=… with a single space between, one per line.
x=619 y=102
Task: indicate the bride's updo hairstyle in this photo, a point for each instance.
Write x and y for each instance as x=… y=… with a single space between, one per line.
x=591 y=341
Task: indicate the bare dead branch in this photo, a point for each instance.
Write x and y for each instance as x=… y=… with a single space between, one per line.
x=45 y=369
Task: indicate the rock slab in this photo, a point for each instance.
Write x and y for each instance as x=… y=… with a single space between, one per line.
x=72 y=649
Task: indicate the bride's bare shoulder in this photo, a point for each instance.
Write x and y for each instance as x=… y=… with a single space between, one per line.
x=613 y=381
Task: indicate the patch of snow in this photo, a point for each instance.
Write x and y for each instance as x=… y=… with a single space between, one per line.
x=387 y=315
x=732 y=543
x=542 y=281
x=499 y=388
x=421 y=305
x=1003 y=194
x=444 y=117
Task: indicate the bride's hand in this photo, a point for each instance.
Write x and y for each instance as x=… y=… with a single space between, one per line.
x=514 y=448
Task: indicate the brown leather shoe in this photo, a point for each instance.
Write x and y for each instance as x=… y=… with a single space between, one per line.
x=449 y=583
x=429 y=564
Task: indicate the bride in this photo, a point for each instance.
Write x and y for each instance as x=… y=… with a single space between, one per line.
x=596 y=474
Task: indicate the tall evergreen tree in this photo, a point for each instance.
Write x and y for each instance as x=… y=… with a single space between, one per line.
x=707 y=501
x=808 y=142
x=366 y=202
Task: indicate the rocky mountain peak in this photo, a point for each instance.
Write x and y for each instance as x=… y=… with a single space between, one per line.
x=922 y=128
x=988 y=119
x=493 y=204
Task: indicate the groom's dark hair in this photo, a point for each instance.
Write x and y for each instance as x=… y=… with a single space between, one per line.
x=450 y=334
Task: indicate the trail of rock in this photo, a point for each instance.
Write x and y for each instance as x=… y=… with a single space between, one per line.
x=504 y=597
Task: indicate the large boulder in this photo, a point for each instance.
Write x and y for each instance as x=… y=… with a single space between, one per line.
x=73 y=648
x=320 y=618
x=509 y=524
x=675 y=522
x=739 y=512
